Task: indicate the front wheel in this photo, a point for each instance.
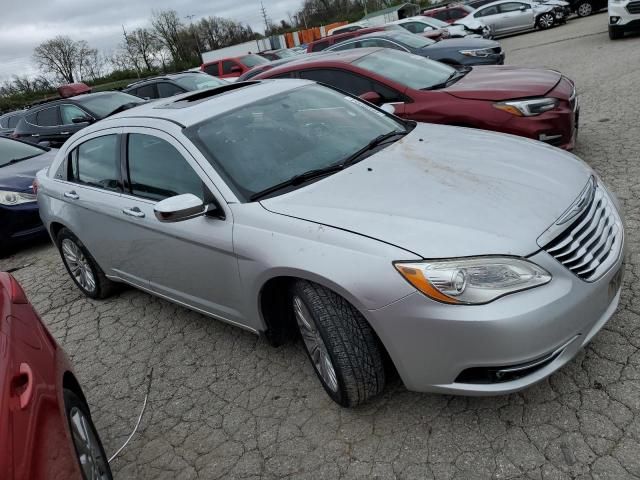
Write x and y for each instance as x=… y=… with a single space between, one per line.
x=87 y=445
x=584 y=9
x=340 y=343
x=545 y=21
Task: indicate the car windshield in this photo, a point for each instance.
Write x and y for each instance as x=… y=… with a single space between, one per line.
x=407 y=69
x=411 y=39
x=102 y=104
x=12 y=151
x=274 y=139
x=284 y=53
x=253 y=60
x=198 y=81
x=434 y=22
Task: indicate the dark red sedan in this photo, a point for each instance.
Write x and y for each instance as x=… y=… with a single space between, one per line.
x=46 y=430
x=534 y=103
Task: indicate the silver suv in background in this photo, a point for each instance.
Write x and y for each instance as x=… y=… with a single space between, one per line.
x=624 y=16
x=286 y=206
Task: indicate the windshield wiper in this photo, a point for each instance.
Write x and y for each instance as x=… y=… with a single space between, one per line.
x=458 y=74
x=16 y=160
x=320 y=172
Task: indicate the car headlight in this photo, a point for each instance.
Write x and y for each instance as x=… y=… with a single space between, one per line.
x=472 y=281
x=16 y=198
x=477 y=52
x=528 y=108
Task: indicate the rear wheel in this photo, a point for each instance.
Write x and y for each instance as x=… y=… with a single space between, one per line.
x=584 y=9
x=340 y=343
x=87 y=445
x=82 y=267
x=545 y=21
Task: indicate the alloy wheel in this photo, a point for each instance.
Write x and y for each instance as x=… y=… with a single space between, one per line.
x=546 y=20
x=92 y=462
x=315 y=344
x=585 y=9
x=78 y=265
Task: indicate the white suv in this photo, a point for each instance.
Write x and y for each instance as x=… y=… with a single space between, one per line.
x=624 y=16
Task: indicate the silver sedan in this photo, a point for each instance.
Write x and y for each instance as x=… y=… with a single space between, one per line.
x=507 y=17
x=474 y=262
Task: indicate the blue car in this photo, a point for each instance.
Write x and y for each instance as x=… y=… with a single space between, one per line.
x=19 y=218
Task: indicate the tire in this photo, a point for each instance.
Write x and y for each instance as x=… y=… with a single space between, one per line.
x=545 y=21
x=615 y=34
x=89 y=451
x=584 y=9
x=346 y=355
x=96 y=285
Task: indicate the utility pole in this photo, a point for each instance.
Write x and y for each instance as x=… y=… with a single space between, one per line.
x=263 y=11
x=195 y=37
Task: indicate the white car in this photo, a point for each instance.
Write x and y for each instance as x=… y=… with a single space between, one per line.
x=421 y=24
x=507 y=17
x=624 y=16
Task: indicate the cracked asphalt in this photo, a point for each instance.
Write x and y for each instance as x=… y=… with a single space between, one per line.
x=225 y=404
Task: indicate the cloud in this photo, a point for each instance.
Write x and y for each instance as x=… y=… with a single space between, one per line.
x=28 y=23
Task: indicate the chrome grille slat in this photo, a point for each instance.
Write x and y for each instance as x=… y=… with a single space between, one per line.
x=592 y=242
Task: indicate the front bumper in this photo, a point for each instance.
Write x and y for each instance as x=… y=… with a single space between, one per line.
x=624 y=18
x=431 y=343
x=20 y=222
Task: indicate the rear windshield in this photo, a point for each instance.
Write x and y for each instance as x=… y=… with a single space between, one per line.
x=102 y=104
x=253 y=60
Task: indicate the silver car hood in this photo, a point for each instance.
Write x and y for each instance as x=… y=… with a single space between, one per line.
x=446 y=191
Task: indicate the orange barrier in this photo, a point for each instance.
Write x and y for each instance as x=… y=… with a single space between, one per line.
x=310 y=35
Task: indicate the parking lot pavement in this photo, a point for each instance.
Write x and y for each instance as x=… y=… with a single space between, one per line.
x=224 y=404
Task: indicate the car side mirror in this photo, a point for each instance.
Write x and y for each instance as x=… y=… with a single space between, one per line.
x=45 y=144
x=236 y=69
x=428 y=29
x=77 y=120
x=372 y=97
x=179 y=208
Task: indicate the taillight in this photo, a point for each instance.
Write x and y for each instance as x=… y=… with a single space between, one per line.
x=17 y=293
x=34 y=186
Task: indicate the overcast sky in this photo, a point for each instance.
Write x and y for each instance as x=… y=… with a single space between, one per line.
x=26 y=23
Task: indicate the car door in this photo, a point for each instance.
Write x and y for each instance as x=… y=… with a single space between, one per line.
x=191 y=261
x=90 y=184
x=46 y=126
x=516 y=16
x=491 y=17
x=148 y=91
x=166 y=89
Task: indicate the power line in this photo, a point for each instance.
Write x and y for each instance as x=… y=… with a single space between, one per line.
x=264 y=17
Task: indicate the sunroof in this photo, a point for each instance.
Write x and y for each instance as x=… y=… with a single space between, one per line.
x=203 y=95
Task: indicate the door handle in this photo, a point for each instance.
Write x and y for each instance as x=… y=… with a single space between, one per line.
x=72 y=194
x=35 y=134
x=133 y=212
x=65 y=133
x=22 y=385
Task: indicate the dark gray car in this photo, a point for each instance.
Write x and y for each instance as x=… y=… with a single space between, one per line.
x=455 y=51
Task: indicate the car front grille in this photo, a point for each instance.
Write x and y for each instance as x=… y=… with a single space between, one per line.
x=633 y=7
x=592 y=242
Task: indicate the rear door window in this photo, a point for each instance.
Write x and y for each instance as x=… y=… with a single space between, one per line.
x=48 y=117
x=13 y=121
x=351 y=82
x=441 y=15
x=485 y=12
x=316 y=47
x=457 y=14
x=96 y=163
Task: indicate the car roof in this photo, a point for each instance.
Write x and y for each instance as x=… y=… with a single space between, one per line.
x=341 y=56
x=60 y=101
x=193 y=107
x=168 y=76
x=499 y=2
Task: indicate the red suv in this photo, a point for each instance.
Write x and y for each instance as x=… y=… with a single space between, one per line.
x=232 y=67
x=534 y=103
x=450 y=13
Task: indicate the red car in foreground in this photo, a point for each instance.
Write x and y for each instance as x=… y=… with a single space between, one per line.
x=46 y=430
x=534 y=103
